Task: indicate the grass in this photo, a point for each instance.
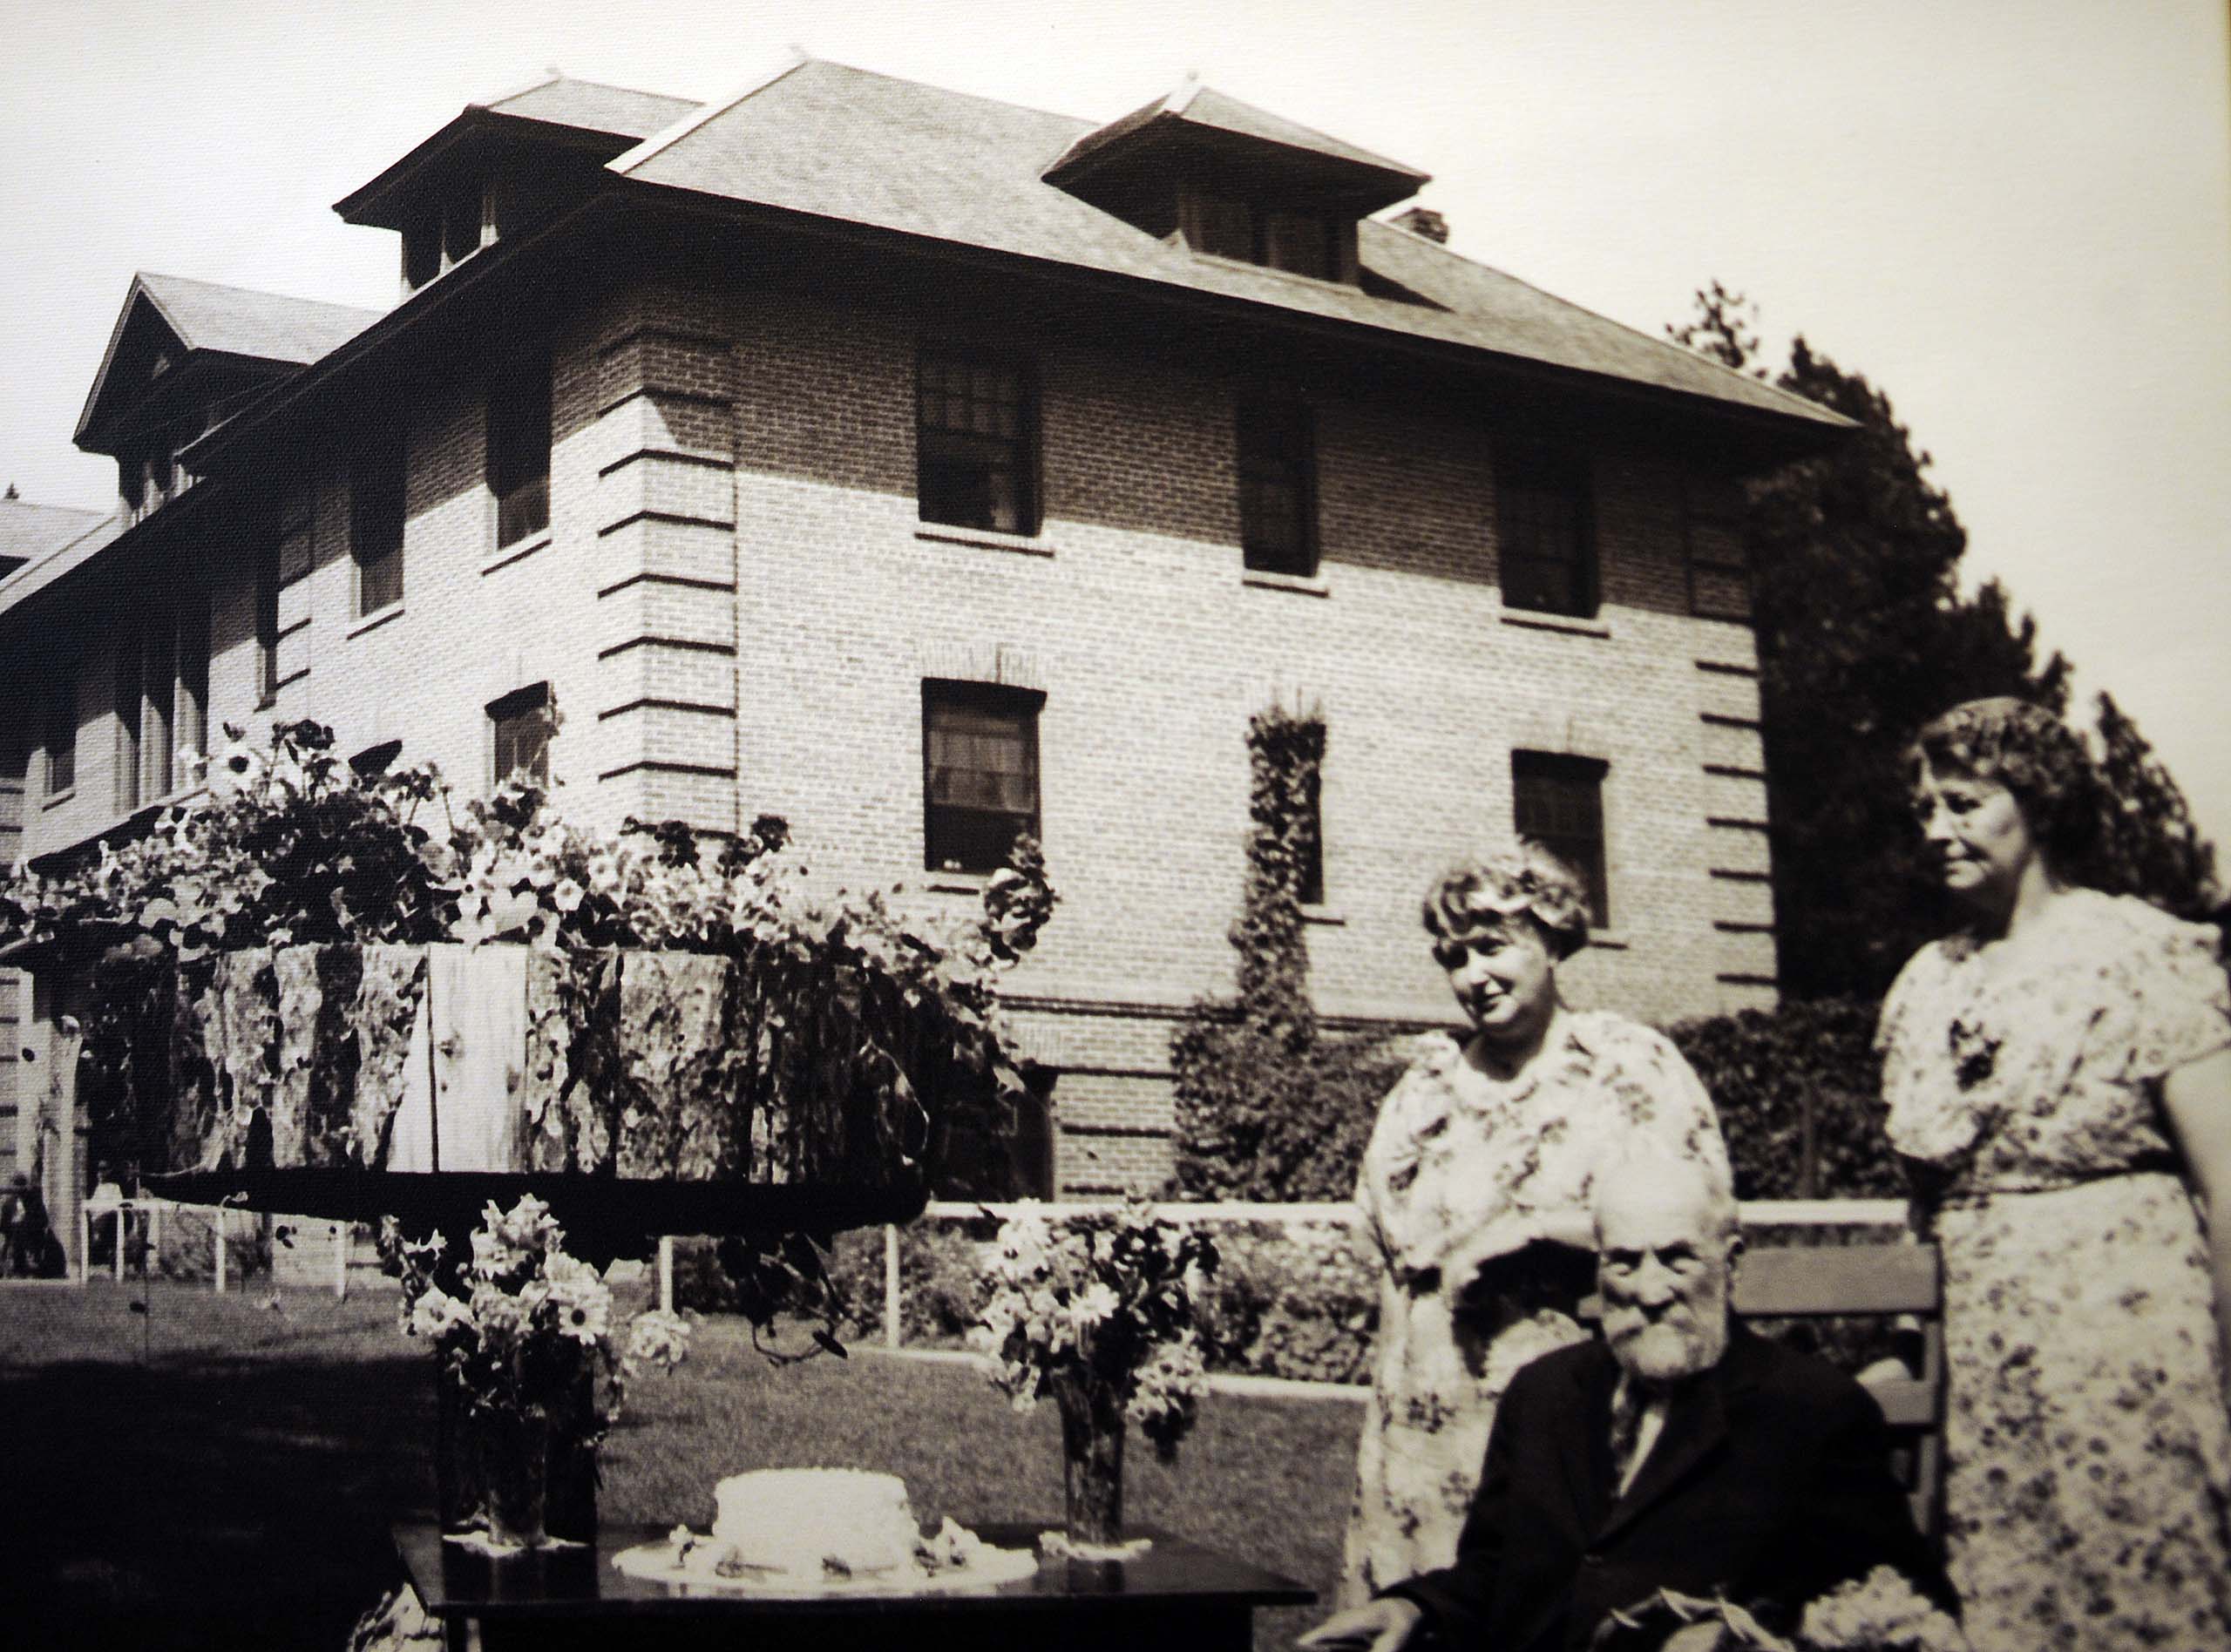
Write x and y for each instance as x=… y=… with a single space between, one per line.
x=220 y=1473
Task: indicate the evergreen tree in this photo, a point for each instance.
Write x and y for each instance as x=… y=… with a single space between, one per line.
x=2149 y=844
x=1863 y=636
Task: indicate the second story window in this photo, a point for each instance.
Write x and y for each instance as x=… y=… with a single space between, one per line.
x=1558 y=802
x=1278 y=487
x=1713 y=513
x=975 y=442
x=376 y=513
x=519 y=728
x=1547 y=531
x=980 y=774
x=518 y=445
x=62 y=731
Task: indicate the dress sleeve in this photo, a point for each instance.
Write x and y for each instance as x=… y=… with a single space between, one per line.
x=1665 y=1100
x=2180 y=1000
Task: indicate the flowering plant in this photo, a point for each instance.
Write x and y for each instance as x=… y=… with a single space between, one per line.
x=1881 y=1612
x=521 y=1324
x=1100 y=1302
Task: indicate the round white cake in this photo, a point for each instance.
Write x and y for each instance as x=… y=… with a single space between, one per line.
x=816 y=1523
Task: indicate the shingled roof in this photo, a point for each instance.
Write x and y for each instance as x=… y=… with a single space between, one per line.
x=241 y=321
x=29 y=531
x=825 y=140
x=224 y=320
x=593 y=107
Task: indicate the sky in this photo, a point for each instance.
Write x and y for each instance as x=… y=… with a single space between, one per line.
x=2013 y=216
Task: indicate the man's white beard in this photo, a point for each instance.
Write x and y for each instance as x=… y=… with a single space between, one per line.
x=1666 y=1353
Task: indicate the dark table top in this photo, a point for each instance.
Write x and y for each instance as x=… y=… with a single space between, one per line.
x=582 y=1582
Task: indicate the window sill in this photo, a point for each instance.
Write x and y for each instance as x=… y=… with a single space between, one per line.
x=1332 y=917
x=955 y=883
x=1307 y=584
x=518 y=550
x=1570 y=624
x=1029 y=544
x=377 y=617
x=55 y=800
x=1272 y=270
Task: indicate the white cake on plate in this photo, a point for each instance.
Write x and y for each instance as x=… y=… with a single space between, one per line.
x=815 y=1524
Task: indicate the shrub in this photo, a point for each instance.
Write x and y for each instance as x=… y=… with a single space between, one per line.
x=940 y=1264
x=1291 y=1299
x=1799 y=1091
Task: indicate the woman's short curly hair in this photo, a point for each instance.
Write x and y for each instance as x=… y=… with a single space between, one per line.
x=1525 y=877
x=2031 y=753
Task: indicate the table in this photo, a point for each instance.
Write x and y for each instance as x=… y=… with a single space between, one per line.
x=1176 y=1596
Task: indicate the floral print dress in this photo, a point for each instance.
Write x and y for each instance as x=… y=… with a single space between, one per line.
x=2088 y=1451
x=1454 y=1152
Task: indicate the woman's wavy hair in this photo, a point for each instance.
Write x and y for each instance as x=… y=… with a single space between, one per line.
x=1490 y=889
x=2031 y=753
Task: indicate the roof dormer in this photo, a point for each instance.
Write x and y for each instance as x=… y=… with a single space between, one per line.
x=185 y=356
x=500 y=167
x=1229 y=181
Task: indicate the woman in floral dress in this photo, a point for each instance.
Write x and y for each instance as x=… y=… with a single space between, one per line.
x=2059 y=1082
x=1475 y=1195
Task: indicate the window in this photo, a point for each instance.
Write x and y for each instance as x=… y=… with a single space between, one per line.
x=376 y=518
x=1278 y=487
x=127 y=643
x=980 y=774
x=193 y=675
x=1312 y=838
x=1301 y=243
x=62 y=731
x=518 y=445
x=1719 y=568
x=520 y=725
x=159 y=705
x=1547 y=538
x=975 y=440
x=1558 y=802
x=283 y=614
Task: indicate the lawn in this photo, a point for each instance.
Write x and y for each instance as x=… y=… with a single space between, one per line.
x=219 y=1472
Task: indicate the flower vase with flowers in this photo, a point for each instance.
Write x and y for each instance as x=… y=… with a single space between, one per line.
x=527 y=1350
x=1098 y=1310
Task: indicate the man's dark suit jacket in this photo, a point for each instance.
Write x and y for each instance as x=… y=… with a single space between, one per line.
x=1768 y=1483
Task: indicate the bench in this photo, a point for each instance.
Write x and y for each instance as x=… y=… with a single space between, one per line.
x=1873 y=1281
x=1887 y=1281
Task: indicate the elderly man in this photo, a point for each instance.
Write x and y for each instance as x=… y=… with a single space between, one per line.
x=1681 y=1453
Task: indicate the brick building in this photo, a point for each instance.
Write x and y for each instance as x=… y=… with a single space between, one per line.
x=921 y=468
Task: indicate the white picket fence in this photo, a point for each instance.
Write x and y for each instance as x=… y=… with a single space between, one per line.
x=1756 y=1213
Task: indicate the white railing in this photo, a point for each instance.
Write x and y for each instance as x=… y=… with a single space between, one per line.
x=1756 y=1213
x=218 y=1217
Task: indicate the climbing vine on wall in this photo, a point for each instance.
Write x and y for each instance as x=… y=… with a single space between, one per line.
x=1267 y=1107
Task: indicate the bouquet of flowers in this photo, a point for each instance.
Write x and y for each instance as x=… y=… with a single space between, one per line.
x=1881 y=1612
x=1100 y=1306
x=531 y=1323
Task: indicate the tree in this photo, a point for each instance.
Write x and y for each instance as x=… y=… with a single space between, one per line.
x=1863 y=636
x=2149 y=844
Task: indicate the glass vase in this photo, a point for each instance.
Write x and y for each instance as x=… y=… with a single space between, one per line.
x=1092 y=1461
x=515 y=1479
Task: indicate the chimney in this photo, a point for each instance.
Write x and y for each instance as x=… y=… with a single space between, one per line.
x=1423 y=221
